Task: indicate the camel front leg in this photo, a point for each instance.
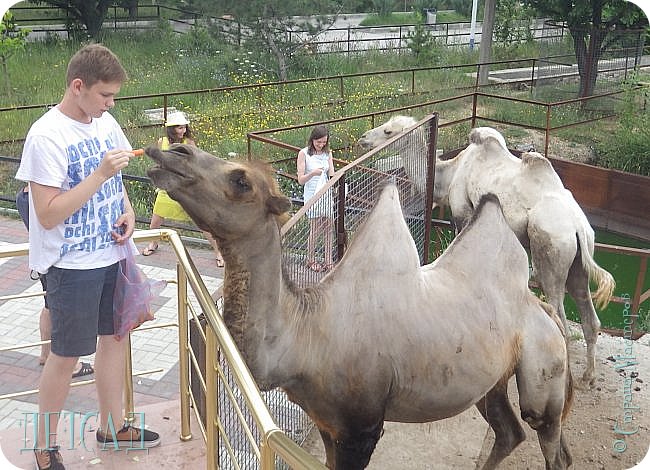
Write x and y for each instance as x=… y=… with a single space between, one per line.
x=497 y=411
x=328 y=444
x=557 y=456
x=353 y=451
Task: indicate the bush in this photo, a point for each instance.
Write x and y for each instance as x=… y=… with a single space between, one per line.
x=627 y=148
x=422 y=43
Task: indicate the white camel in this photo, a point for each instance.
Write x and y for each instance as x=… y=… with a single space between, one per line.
x=380 y=337
x=411 y=149
x=543 y=214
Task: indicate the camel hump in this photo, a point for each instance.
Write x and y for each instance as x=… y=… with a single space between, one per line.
x=489 y=203
x=483 y=136
x=488 y=245
x=535 y=160
x=534 y=164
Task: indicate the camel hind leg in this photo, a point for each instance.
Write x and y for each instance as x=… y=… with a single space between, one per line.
x=497 y=411
x=578 y=287
x=545 y=389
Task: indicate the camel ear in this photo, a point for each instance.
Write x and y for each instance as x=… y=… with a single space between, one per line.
x=278 y=204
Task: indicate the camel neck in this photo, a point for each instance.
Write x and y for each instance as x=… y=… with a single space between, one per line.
x=253 y=285
x=445 y=170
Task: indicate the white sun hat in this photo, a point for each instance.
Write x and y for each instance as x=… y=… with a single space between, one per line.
x=177 y=118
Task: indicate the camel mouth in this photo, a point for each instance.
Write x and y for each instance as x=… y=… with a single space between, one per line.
x=158 y=171
x=168 y=171
x=363 y=146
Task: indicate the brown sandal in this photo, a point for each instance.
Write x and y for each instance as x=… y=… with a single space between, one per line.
x=150 y=250
x=315 y=266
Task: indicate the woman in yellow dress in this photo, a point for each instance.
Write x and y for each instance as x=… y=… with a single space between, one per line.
x=178 y=130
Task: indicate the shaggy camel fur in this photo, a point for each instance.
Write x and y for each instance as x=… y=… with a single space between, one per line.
x=380 y=337
x=543 y=214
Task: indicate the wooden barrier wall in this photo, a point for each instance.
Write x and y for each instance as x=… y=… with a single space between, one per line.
x=612 y=199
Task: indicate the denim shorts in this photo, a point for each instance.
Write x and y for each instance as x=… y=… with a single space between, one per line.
x=81 y=307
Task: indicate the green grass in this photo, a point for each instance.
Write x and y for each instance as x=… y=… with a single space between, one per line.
x=393 y=19
x=450 y=16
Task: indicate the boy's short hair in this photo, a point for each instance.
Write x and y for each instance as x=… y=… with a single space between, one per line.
x=95 y=63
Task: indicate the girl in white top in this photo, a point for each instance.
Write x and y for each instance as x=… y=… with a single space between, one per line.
x=315 y=165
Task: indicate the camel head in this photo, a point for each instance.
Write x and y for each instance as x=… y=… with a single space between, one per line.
x=225 y=198
x=377 y=136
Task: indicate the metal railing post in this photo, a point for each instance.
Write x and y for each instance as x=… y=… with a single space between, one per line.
x=547 y=131
x=211 y=433
x=348 y=42
x=341 y=236
x=128 y=382
x=183 y=354
x=532 y=75
x=474 y=102
x=431 y=174
x=267 y=458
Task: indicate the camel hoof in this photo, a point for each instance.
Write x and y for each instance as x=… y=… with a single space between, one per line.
x=587 y=382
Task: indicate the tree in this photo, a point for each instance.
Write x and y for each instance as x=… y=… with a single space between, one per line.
x=12 y=39
x=590 y=23
x=88 y=13
x=512 y=25
x=421 y=41
x=485 y=52
x=272 y=25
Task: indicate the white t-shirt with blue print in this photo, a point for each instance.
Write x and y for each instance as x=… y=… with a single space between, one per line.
x=61 y=152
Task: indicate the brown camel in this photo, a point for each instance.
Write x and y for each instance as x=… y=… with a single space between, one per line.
x=380 y=337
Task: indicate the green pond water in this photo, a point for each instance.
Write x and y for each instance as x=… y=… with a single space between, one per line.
x=624 y=268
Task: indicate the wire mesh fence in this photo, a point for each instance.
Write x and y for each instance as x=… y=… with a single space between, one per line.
x=316 y=237
x=239 y=436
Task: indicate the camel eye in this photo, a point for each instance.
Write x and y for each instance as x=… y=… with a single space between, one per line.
x=243 y=184
x=388 y=132
x=239 y=181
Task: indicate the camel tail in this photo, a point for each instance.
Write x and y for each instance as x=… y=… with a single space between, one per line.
x=604 y=280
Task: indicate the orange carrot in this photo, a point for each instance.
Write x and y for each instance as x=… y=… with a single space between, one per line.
x=138 y=152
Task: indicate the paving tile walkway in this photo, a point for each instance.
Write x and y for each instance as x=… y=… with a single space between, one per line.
x=152 y=350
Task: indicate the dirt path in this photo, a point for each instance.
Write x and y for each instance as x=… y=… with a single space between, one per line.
x=590 y=428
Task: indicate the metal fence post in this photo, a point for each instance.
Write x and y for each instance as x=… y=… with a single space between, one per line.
x=547 y=131
x=341 y=235
x=211 y=433
x=431 y=174
x=128 y=382
x=183 y=354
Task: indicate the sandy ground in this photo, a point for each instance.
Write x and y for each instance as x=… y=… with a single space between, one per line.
x=464 y=442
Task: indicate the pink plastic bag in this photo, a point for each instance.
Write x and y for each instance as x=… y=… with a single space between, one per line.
x=133 y=294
